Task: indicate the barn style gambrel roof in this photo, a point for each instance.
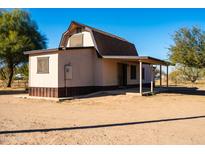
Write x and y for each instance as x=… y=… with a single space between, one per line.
x=108 y=46
x=104 y=43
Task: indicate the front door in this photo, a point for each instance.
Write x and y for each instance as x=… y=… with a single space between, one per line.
x=122 y=74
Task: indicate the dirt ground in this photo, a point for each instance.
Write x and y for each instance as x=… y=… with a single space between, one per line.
x=166 y=118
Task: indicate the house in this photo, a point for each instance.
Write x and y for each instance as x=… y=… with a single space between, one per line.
x=88 y=60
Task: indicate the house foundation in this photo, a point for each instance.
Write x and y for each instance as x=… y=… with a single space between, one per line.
x=75 y=91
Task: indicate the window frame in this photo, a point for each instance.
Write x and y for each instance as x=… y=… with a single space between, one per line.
x=133 y=68
x=42 y=72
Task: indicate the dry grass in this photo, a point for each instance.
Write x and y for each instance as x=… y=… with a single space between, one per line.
x=199 y=84
x=15 y=84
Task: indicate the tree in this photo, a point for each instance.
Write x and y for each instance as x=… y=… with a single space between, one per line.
x=18 y=34
x=181 y=74
x=188 y=51
x=176 y=76
x=191 y=73
x=23 y=69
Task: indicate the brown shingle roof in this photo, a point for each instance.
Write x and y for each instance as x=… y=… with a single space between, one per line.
x=105 y=43
x=108 y=45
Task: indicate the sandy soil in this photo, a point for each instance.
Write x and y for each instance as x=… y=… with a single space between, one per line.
x=27 y=114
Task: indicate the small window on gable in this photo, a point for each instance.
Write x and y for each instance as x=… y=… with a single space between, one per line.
x=78 y=30
x=76 y=40
x=133 y=72
x=42 y=65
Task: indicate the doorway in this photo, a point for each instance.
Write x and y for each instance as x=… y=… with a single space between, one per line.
x=122 y=74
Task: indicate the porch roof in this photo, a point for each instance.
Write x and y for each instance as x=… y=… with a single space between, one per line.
x=144 y=59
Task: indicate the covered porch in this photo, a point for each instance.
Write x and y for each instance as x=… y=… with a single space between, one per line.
x=151 y=62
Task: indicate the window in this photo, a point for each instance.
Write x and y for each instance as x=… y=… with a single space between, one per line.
x=78 y=30
x=133 y=72
x=43 y=65
x=143 y=73
x=76 y=40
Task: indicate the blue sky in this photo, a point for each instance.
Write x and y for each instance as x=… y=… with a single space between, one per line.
x=149 y=29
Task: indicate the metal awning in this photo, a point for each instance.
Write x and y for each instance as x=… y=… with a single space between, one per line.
x=144 y=59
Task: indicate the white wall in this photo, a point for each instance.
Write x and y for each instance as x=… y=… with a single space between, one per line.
x=43 y=80
x=87 y=39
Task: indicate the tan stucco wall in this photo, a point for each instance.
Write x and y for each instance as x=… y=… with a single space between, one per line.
x=110 y=74
x=132 y=81
x=89 y=70
x=109 y=71
x=148 y=72
x=147 y=78
x=43 y=80
x=98 y=70
x=87 y=39
x=85 y=68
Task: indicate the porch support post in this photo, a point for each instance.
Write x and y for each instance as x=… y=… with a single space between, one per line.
x=151 y=73
x=140 y=77
x=167 y=75
x=160 y=72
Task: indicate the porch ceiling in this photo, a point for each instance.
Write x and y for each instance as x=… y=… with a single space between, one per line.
x=144 y=59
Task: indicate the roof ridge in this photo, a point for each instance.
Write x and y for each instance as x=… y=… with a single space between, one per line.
x=100 y=31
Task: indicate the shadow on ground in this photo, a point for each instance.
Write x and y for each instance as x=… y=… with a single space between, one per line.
x=12 y=92
x=185 y=91
x=171 y=90
x=99 y=126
